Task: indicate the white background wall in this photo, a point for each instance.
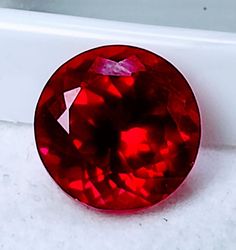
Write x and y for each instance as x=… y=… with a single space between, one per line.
x=201 y=14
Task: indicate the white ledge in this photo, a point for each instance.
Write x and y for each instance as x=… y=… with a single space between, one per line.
x=34 y=45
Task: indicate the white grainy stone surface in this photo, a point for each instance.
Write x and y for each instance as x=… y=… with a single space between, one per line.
x=36 y=214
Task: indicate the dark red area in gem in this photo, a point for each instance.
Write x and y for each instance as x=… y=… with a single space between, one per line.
x=117 y=127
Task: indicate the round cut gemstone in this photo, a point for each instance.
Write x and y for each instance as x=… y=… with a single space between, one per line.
x=117 y=127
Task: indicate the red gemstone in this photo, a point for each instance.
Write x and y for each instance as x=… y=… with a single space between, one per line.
x=117 y=127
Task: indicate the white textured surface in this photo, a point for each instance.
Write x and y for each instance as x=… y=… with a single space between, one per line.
x=34 y=45
x=36 y=214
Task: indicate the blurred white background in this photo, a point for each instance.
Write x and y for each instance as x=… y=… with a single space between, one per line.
x=197 y=14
